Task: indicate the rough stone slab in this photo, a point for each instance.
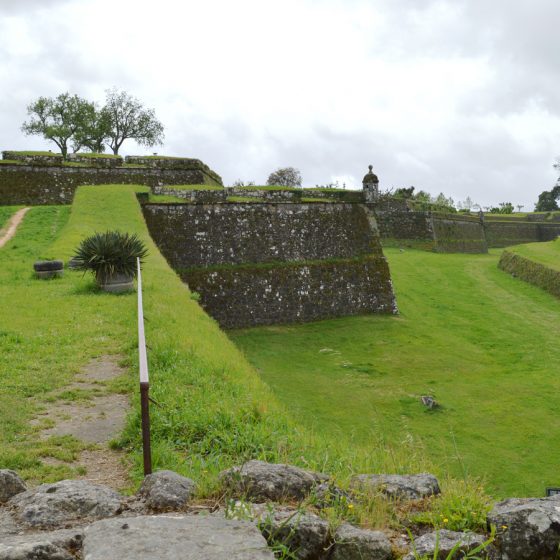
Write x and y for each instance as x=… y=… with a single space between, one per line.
x=52 y=505
x=402 y=487
x=352 y=543
x=194 y=537
x=527 y=529
x=304 y=534
x=56 y=545
x=10 y=485
x=167 y=490
x=261 y=481
x=426 y=544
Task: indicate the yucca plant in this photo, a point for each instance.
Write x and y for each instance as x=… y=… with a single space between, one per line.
x=110 y=254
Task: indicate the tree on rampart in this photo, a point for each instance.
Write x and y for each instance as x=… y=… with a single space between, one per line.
x=125 y=118
x=61 y=120
x=548 y=200
x=285 y=177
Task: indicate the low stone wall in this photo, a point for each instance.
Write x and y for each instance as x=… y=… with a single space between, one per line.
x=194 y=195
x=215 y=234
x=97 y=160
x=162 y=162
x=532 y=272
x=245 y=296
x=33 y=184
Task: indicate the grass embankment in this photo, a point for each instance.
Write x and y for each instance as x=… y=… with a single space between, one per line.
x=535 y=263
x=213 y=409
x=483 y=344
x=544 y=253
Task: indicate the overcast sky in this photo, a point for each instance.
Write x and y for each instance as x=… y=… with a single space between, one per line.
x=459 y=96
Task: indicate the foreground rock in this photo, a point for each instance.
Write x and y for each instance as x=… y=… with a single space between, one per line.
x=396 y=486
x=351 y=543
x=304 y=534
x=446 y=541
x=54 y=505
x=10 y=485
x=527 y=529
x=167 y=490
x=170 y=538
x=260 y=481
x=56 y=545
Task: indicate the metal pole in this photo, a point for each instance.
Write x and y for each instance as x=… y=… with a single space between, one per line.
x=144 y=381
x=145 y=408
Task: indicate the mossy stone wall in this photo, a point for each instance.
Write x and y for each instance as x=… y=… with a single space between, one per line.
x=507 y=233
x=211 y=234
x=530 y=271
x=34 y=184
x=246 y=296
x=266 y=263
x=458 y=234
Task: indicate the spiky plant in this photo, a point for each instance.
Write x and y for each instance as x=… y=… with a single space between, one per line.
x=109 y=253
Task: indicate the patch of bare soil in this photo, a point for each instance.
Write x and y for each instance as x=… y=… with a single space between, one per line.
x=88 y=411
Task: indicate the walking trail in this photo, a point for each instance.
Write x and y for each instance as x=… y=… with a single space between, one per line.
x=94 y=420
x=10 y=230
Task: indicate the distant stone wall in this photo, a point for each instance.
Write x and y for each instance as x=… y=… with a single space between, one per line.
x=454 y=233
x=34 y=184
x=262 y=295
x=206 y=235
x=296 y=194
x=193 y=195
x=508 y=233
x=265 y=263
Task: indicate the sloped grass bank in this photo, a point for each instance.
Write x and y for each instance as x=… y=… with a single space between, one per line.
x=539 y=266
x=213 y=409
x=547 y=253
x=483 y=344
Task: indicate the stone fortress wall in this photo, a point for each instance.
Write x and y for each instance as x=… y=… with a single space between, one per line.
x=47 y=179
x=266 y=263
x=259 y=255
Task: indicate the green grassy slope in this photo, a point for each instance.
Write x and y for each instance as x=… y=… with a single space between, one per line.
x=484 y=344
x=545 y=253
x=215 y=410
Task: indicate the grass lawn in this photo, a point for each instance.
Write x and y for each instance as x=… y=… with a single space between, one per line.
x=213 y=410
x=483 y=344
x=545 y=253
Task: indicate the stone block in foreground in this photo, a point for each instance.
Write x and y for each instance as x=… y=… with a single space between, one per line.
x=171 y=538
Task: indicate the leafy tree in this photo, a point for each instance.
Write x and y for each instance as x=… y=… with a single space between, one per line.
x=93 y=135
x=126 y=118
x=405 y=193
x=548 y=200
x=61 y=120
x=285 y=177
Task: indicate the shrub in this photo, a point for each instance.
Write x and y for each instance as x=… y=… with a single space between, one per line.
x=110 y=253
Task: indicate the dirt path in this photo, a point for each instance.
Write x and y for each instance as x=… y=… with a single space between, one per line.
x=10 y=230
x=90 y=412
